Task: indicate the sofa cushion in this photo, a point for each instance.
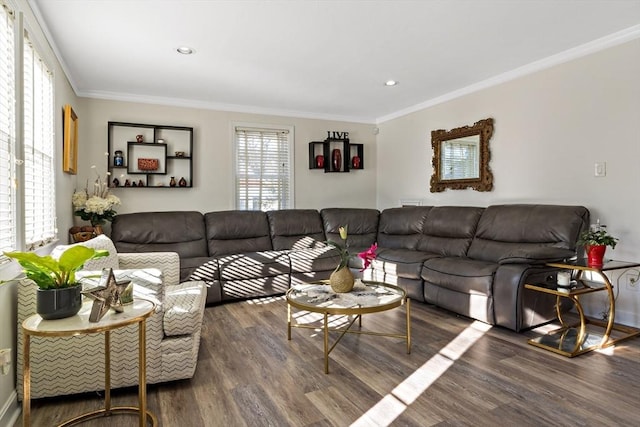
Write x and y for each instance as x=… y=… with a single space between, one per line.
x=254 y=264
x=101 y=241
x=179 y=231
x=295 y=229
x=507 y=229
x=401 y=227
x=406 y=263
x=449 y=230
x=362 y=226
x=189 y=265
x=236 y=232
x=464 y=275
x=310 y=260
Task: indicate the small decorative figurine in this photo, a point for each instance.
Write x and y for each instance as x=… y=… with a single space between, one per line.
x=172 y=183
x=139 y=138
x=182 y=182
x=115 y=182
x=118 y=160
x=140 y=183
x=127 y=183
x=105 y=296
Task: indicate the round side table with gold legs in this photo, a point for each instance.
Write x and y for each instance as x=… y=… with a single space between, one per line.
x=138 y=312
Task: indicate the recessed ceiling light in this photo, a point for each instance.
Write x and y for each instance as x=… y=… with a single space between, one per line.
x=185 y=50
x=390 y=83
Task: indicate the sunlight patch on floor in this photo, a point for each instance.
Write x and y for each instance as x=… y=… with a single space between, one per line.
x=395 y=403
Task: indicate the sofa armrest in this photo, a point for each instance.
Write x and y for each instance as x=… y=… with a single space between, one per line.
x=184 y=308
x=167 y=262
x=536 y=256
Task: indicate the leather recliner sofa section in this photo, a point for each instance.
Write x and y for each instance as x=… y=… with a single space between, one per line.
x=473 y=261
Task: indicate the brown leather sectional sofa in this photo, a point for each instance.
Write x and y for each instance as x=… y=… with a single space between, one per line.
x=473 y=261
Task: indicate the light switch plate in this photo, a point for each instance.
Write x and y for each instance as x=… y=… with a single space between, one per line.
x=600 y=169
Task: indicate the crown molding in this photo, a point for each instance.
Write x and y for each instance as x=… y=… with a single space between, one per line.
x=247 y=109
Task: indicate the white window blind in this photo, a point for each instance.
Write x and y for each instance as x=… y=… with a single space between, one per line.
x=263 y=178
x=7 y=133
x=460 y=159
x=39 y=153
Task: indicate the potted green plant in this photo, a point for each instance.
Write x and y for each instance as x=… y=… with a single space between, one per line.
x=595 y=242
x=59 y=295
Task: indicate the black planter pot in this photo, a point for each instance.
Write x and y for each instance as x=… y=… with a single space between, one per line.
x=59 y=303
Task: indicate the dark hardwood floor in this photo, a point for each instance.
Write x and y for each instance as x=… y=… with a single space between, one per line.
x=459 y=373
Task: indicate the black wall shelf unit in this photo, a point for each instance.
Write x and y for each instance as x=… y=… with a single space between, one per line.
x=152 y=155
x=336 y=155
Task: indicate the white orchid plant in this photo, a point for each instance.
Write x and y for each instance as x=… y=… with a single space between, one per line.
x=95 y=206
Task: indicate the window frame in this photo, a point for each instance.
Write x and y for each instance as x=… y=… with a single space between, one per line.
x=22 y=33
x=290 y=158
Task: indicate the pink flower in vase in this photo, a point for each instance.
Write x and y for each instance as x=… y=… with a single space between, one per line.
x=368 y=256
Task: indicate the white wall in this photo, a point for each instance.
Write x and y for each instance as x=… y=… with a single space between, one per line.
x=213 y=158
x=550 y=128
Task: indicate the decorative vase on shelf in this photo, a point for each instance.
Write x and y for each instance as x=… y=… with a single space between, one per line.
x=320 y=161
x=595 y=255
x=172 y=183
x=118 y=159
x=355 y=162
x=336 y=158
x=182 y=182
x=342 y=280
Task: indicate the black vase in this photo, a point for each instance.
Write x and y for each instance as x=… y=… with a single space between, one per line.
x=59 y=303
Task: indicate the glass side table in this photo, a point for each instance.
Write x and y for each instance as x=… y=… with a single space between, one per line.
x=574 y=339
x=138 y=312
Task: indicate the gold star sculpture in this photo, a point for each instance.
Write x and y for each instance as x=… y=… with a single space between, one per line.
x=105 y=296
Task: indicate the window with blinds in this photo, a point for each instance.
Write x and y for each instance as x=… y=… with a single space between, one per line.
x=39 y=153
x=460 y=159
x=263 y=168
x=7 y=133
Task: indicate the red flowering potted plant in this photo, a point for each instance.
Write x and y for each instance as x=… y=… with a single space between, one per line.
x=595 y=241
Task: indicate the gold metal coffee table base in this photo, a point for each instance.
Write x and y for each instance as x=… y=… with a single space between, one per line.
x=395 y=297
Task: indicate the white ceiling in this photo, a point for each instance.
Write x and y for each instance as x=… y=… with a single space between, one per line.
x=324 y=59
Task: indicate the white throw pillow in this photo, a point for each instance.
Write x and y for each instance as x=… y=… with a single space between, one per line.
x=99 y=242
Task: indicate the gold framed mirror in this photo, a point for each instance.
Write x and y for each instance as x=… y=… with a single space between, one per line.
x=461 y=157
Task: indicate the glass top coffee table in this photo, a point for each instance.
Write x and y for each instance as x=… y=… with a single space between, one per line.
x=366 y=297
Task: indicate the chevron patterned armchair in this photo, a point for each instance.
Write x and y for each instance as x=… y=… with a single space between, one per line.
x=69 y=365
